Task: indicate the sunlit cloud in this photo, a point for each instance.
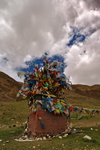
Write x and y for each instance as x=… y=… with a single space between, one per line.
x=70 y=29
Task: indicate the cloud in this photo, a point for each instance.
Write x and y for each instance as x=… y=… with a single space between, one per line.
x=32 y=27
x=29 y=28
x=84 y=67
x=91 y=4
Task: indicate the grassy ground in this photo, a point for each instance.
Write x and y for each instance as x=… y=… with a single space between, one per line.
x=14 y=114
x=72 y=142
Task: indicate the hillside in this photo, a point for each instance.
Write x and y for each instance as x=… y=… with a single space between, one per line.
x=89 y=91
x=13 y=114
x=9 y=88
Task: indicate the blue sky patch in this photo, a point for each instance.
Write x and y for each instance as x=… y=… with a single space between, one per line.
x=31 y=64
x=76 y=38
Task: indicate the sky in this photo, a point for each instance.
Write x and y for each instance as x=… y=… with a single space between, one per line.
x=63 y=28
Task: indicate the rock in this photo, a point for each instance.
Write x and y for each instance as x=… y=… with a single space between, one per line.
x=96 y=129
x=44 y=138
x=60 y=137
x=91 y=129
x=0 y=140
x=40 y=139
x=54 y=136
x=87 y=137
x=7 y=141
x=66 y=130
x=24 y=140
x=26 y=136
x=47 y=135
x=26 y=130
x=65 y=135
x=34 y=147
x=37 y=139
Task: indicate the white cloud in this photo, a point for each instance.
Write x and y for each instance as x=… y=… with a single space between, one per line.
x=29 y=28
x=84 y=68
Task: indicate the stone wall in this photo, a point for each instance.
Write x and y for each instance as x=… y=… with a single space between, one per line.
x=44 y=122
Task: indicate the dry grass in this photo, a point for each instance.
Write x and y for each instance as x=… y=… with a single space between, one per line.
x=14 y=114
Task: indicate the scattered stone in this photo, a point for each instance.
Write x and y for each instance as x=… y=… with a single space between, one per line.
x=66 y=130
x=0 y=140
x=24 y=140
x=49 y=137
x=60 y=137
x=40 y=139
x=26 y=130
x=91 y=129
x=54 y=136
x=7 y=141
x=37 y=139
x=65 y=135
x=44 y=138
x=70 y=125
x=34 y=147
x=87 y=137
x=96 y=129
x=23 y=137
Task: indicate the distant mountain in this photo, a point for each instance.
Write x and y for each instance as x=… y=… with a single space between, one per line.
x=9 y=88
x=89 y=91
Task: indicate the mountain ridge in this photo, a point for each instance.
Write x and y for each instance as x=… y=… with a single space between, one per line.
x=9 y=88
